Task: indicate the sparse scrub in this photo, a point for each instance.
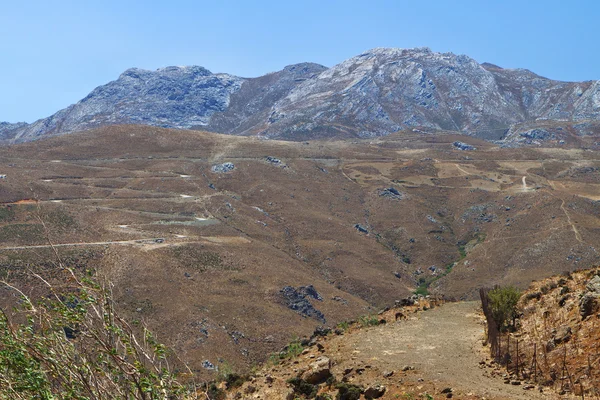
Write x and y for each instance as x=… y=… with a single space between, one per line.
x=304 y=388
x=368 y=320
x=503 y=303
x=347 y=391
x=73 y=345
x=293 y=349
x=6 y=214
x=344 y=325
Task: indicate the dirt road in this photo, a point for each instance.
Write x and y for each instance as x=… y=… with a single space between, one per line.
x=442 y=344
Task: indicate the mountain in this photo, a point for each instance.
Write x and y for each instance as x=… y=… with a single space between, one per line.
x=373 y=94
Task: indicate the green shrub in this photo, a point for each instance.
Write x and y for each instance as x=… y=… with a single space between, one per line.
x=347 y=391
x=302 y=387
x=344 y=325
x=293 y=349
x=503 y=304
x=73 y=345
x=368 y=320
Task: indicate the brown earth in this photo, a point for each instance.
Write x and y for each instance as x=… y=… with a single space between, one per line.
x=202 y=257
x=564 y=338
x=422 y=355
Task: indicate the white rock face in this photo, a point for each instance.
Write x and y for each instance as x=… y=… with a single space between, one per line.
x=375 y=93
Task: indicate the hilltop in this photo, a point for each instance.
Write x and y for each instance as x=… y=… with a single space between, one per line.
x=377 y=93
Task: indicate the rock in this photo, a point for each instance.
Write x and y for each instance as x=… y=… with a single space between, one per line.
x=391 y=193
x=374 y=391
x=405 y=302
x=321 y=331
x=408 y=368
x=207 y=365
x=310 y=291
x=385 y=90
x=275 y=161
x=593 y=286
x=387 y=374
x=361 y=228
x=295 y=299
x=222 y=168
x=463 y=146
x=446 y=390
x=588 y=305
x=319 y=371
x=563 y=334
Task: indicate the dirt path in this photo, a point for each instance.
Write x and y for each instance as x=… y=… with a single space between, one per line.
x=575 y=230
x=443 y=345
x=145 y=241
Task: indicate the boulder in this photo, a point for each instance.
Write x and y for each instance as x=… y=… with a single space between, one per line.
x=319 y=371
x=593 y=286
x=563 y=334
x=374 y=391
x=588 y=305
x=463 y=146
x=222 y=168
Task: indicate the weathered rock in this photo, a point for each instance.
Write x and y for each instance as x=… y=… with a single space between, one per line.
x=208 y=365
x=375 y=93
x=275 y=161
x=405 y=302
x=391 y=193
x=588 y=305
x=374 y=391
x=463 y=146
x=361 y=228
x=563 y=334
x=295 y=299
x=593 y=286
x=222 y=168
x=319 y=371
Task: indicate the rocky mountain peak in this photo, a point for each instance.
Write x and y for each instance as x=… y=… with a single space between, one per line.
x=375 y=93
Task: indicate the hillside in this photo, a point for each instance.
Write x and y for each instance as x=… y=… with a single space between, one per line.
x=229 y=246
x=376 y=93
x=420 y=351
x=560 y=318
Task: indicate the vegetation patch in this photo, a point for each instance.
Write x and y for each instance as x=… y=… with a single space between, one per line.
x=368 y=320
x=6 y=214
x=503 y=304
x=72 y=345
x=199 y=259
x=303 y=388
x=348 y=391
x=22 y=233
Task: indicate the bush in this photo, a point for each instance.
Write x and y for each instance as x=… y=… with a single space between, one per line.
x=73 y=345
x=347 y=391
x=503 y=304
x=368 y=320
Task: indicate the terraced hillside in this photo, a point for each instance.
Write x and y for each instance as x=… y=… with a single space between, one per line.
x=229 y=246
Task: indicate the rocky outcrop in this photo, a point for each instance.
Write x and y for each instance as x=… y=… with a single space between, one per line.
x=319 y=371
x=590 y=301
x=375 y=93
x=172 y=97
x=298 y=300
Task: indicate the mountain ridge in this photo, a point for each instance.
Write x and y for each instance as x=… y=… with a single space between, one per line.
x=375 y=93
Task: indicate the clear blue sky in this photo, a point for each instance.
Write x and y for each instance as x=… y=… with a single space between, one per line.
x=55 y=52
